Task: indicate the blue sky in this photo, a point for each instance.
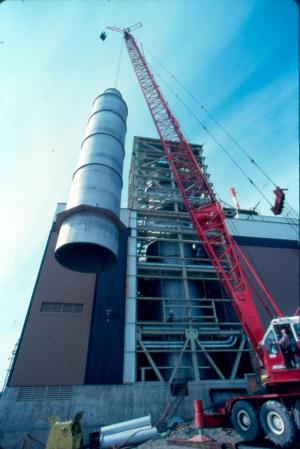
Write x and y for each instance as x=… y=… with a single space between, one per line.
x=238 y=57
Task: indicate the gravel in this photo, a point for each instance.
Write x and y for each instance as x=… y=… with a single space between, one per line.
x=186 y=431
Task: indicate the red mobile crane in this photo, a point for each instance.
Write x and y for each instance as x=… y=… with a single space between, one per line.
x=276 y=410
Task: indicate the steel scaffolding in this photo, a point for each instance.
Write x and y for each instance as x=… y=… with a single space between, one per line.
x=186 y=326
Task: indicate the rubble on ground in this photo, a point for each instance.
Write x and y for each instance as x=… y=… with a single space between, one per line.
x=186 y=431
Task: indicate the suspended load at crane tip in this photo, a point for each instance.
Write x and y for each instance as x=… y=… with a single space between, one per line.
x=279 y=201
x=88 y=237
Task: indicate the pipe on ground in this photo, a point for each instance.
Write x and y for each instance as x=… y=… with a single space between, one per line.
x=145 y=421
x=128 y=437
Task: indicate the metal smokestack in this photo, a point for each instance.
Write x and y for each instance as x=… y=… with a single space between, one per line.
x=88 y=236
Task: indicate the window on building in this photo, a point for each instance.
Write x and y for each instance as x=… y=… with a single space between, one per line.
x=61 y=307
x=67 y=308
x=77 y=308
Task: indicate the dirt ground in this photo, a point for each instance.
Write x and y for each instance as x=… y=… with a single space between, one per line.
x=186 y=431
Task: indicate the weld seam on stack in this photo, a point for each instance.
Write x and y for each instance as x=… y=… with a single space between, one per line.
x=97 y=134
x=107 y=110
x=94 y=163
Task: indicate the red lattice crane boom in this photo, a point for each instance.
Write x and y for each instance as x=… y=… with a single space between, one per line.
x=208 y=219
x=200 y=201
x=275 y=409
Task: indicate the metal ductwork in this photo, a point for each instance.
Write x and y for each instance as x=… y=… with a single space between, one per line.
x=88 y=236
x=225 y=343
x=181 y=300
x=173 y=289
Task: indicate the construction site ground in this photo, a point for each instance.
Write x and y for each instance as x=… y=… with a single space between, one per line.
x=182 y=437
x=221 y=438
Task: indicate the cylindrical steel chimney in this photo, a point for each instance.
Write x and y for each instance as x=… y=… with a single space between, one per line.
x=89 y=227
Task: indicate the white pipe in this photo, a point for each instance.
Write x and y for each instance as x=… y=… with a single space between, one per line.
x=145 y=421
x=127 y=438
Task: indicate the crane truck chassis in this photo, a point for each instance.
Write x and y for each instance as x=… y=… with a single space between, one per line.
x=275 y=410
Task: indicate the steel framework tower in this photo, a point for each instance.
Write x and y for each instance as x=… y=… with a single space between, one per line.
x=186 y=326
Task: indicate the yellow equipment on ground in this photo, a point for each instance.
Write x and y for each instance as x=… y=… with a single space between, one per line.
x=65 y=435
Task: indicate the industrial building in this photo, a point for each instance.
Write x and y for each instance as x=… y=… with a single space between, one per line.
x=155 y=324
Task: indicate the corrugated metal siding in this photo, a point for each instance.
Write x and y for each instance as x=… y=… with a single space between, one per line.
x=53 y=348
x=279 y=269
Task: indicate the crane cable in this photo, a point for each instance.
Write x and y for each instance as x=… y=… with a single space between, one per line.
x=213 y=137
x=291 y=211
x=229 y=135
x=264 y=302
x=214 y=119
x=119 y=64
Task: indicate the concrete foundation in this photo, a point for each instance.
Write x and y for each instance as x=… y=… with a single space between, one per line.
x=102 y=405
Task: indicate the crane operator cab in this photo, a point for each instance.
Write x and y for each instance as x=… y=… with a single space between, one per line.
x=281 y=344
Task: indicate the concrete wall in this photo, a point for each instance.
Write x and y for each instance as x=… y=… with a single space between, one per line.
x=102 y=404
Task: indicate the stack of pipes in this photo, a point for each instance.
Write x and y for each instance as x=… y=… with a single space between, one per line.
x=127 y=433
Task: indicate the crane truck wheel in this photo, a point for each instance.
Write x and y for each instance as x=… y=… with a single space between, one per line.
x=278 y=424
x=245 y=420
x=297 y=413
